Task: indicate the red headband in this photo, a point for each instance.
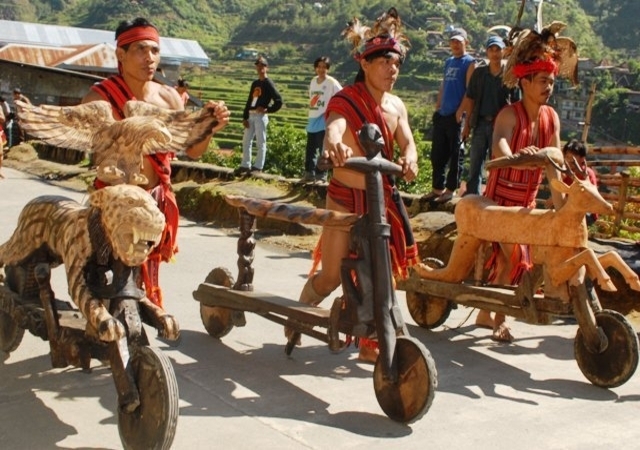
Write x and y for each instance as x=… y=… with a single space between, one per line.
x=138 y=34
x=521 y=70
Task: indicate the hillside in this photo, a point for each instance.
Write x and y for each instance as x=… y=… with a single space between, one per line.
x=313 y=27
x=293 y=33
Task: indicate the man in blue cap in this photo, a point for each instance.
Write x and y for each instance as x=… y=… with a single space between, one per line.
x=486 y=95
x=446 y=149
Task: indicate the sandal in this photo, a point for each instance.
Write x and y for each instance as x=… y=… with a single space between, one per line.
x=431 y=196
x=445 y=197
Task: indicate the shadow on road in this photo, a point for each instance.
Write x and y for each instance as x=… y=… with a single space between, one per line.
x=465 y=366
x=20 y=386
x=265 y=390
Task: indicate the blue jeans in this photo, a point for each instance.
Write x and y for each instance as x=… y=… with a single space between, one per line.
x=447 y=150
x=258 y=128
x=480 y=145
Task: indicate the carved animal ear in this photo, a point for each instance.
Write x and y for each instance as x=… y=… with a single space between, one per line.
x=559 y=186
x=97 y=197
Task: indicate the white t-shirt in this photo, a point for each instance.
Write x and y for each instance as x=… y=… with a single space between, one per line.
x=319 y=96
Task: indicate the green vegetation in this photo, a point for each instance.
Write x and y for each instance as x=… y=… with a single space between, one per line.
x=230 y=81
x=292 y=34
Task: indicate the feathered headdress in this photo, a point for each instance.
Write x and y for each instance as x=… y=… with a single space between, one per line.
x=384 y=36
x=530 y=51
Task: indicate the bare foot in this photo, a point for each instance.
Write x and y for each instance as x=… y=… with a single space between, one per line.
x=368 y=354
x=484 y=320
x=502 y=333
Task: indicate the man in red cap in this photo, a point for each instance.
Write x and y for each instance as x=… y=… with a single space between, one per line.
x=138 y=53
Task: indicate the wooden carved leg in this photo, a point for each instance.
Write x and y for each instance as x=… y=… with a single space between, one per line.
x=246 y=246
x=611 y=259
x=587 y=258
x=462 y=260
x=109 y=329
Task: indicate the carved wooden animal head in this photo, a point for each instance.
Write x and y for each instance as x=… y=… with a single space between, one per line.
x=582 y=197
x=131 y=219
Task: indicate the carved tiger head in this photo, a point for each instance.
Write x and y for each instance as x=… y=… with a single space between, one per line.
x=131 y=219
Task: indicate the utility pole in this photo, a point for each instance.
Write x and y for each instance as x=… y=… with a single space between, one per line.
x=587 y=117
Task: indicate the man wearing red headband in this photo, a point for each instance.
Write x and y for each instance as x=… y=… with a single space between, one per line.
x=138 y=53
x=367 y=100
x=526 y=126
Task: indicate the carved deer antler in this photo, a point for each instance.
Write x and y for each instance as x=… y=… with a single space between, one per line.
x=538 y=159
x=566 y=168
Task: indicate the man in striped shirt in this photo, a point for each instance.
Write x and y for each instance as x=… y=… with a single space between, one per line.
x=526 y=126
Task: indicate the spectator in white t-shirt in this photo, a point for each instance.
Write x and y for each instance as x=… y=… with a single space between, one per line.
x=321 y=89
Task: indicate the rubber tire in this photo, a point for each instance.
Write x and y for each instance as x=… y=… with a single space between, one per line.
x=410 y=398
x=619 y=361
x=217 y=320
x=152 y=426
x=10 y=333
x=428 y=311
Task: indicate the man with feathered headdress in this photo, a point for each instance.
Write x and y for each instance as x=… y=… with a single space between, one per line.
x=527 y=126
x=380 y=51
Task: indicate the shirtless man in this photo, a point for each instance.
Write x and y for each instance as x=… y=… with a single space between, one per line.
x=138 y=53
x=367 y=100
x=526 y=126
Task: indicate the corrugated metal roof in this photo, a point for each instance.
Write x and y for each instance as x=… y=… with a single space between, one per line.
x=35 y=54
x=90 y=56
x=182 y=50
x=52 y=69
x=101 y=55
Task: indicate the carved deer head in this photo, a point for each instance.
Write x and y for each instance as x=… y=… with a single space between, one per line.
x=582 y=197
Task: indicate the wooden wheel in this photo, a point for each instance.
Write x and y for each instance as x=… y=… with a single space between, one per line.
x=153 y=424
x=410 y=397
x=426 y=310
x=217 y=320
x=618 y=362
x=10 y=333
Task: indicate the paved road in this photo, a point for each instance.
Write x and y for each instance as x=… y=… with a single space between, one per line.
x=243 y=393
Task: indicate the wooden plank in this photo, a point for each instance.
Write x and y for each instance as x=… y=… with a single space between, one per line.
x=261 y=303
x=492 y=298
x=617 y=181
x=615 y=162
x=615 y=150
x=460 y=292
x=629 y=228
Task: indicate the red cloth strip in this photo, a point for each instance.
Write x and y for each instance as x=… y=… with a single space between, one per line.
x=138 y=34
x=540 y=65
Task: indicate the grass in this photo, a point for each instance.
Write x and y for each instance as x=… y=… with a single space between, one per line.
x=229 y=80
